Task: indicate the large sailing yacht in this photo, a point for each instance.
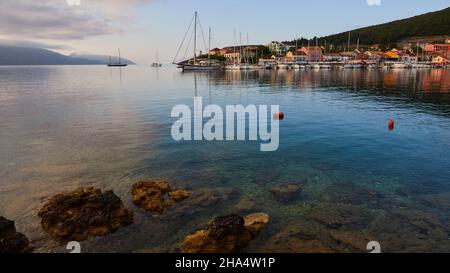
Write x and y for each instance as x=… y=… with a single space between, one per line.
x=196 y=63
x=118 y=64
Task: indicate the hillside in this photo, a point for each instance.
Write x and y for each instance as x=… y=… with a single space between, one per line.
x=101 y=58
x=426 y=25
x=16 y=55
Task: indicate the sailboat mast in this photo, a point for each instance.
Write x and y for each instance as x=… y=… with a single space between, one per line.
x=195 y=38
x=240 y=47
x=120 y=60
x=209 y=46
x=317 y=49
x=247 y=49
x=348 y=42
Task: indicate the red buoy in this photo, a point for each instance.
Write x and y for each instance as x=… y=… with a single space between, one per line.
x=391 y=124
x=278 y=116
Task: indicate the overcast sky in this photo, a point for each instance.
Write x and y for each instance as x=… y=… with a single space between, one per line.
x=142 y=27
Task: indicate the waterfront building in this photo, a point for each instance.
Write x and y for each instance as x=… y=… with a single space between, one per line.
x=232 y=56
x=441 y=49
x=277 y=48
x=440 y=60
x=392 y=55
x=376 y=56
x=313 y=53
x=215 y=52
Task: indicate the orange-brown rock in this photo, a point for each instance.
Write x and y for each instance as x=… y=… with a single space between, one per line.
x=150 y=194
x=82 y=213
x=155 y=195
x=225 y=234
x=179 y=195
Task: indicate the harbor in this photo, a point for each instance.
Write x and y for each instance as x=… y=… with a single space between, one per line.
x=295 y=56
x=179 y=127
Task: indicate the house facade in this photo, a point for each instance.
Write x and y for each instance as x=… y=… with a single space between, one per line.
x=440 y=49
x=313 y=53
x=232 y=56
x=440 y=60
x=277 y=48
x=215 y=51
x=376 y=56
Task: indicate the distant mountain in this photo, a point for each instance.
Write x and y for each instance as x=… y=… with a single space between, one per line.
x=17 y=55
x=101 y=58
x=426 y=25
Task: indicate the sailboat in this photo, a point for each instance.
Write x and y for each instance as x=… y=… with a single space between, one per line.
x=119 y=64
x=157 y=64
x=196 y=63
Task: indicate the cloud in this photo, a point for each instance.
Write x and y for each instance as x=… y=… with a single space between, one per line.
x=374 y=2
x=33 y=44
x=64 y=19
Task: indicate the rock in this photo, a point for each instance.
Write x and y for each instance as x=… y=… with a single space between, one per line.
x=149 y=195
x=224 y=226
x=156 y=195
x=245 y=205
x=255 y=222
x=351 y=241
x=179 y=195
x=338 y=215
x=225 y=234
x=286 y=193
x=354 y=194
x=12 y=241
x=298 y=237
x=412 y=230
x=201 y=201
x=82 y=213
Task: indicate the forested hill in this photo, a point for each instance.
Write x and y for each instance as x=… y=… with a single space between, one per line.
x=425 y=25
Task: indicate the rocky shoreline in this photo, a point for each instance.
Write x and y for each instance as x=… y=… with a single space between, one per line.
x=89 y=212
x=344 y=219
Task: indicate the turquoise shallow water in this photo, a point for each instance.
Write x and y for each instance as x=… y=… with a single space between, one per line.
x=63 y=127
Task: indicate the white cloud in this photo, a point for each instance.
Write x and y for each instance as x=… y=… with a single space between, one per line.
x=64 y=19
x=374 y=2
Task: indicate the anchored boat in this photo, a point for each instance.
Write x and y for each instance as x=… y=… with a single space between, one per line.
x=157 y=64
x=197 y=62
x=119 y=64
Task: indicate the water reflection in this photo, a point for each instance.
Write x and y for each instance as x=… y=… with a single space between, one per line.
x=65 y=127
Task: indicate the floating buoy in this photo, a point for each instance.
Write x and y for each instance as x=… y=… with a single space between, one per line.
x=278 y=116
x=391 y=124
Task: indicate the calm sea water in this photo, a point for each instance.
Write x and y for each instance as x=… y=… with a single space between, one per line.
x=64 y=127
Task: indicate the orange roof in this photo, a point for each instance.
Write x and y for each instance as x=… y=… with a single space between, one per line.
x=392 y=54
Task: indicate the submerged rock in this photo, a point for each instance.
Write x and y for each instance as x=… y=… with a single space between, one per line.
x=155 y=195
x=245 y=205
x=286 y=193
x=300 y=236
x=149 y=195
x=179 y=195
x=225 y=234
x=204 y=200
x=255 y=222
x=82 y=213
x=12 y=241
x=354 y=194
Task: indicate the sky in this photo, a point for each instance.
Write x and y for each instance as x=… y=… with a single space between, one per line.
x=140 y=28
